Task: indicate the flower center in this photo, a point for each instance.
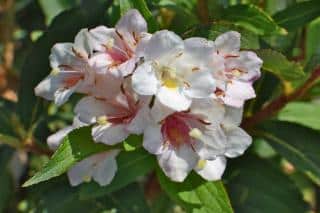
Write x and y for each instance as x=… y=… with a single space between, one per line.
x=169 y=78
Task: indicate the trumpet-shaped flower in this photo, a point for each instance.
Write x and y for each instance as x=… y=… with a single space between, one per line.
x=70 y=70
x=236 y=70
x=173 y=71
x=114 y=120
x=100 y=167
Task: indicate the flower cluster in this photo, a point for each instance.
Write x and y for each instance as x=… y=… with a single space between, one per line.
x=184 y=96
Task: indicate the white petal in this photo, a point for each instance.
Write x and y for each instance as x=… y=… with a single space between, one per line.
x=233 y=116
x=228 y=43
x=81 y=171
x=127 y=67
x=213 y=169
x=55 y=139
x=237 y=93
x=106 y=169
x=201 y=85
x=140 y=121
x=152 y=139
x=161 y=44
x=89 y=108
x=209 y=109
x=131 y=24
x=237 y=141
x=213 y=142
x=109 y=134
x=177 y=163
x=144 y=39
x=83 y=43
x=160 y=111
x=62 y=54
x=199 y=49
x=63 y=94
x=248 y=62
x=174 y=98
x=144 y=80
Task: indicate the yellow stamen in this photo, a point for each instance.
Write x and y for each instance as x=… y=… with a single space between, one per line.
x=201 y=164
x=110 y=43
x=86 y=178
x=195 y=133
x=54 y=71
x=236 y=73
x=102 y=120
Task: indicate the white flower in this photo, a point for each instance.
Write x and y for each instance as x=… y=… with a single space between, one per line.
x=235 y=70
x=70 y=70
x=101 y=167
x=114 y=120
x=181 y=139
x=173 y=71
x=119 y=48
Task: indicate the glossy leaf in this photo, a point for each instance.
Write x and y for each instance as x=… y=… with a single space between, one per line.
x=298 y=15
x=298 y=144
x=76 y=146
x=252 y=18
x=196 y=194
x=257 y=185
x=279 y=65
x=312 y=39
x=303 y=113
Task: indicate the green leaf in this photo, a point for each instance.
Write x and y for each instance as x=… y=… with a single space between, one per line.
x=280 y=66
x=76 y=146
x=312 y=39
x=131 y=165
x=196 y=194
x=53 y=8
x=298 y=144
x=140 y=5
x=298 y=15
x=253 y=18
x=303 y=113
x=257 y=185
x=132 y=143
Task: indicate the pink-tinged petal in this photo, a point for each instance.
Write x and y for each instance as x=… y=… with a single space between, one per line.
x=109 y=134
x=106 y=169
x=248 y=63
x=107 y=85
x=140 y=121
x=144 y=80
x=201 y=85
x=237 y=141
x=89 y=108
x=237 y=93
x=101 y=35
x=228 y=43
x=144 y=39
x=212 y=169
x=173 y=98
x=127 y=67
x=211 y=143
x=177 y=163
x=152 y=139
x=100 y=62
x=162 y=45
x=56 y=139
x=131 y=25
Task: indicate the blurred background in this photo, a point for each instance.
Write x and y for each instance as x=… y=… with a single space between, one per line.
x=29 y=28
